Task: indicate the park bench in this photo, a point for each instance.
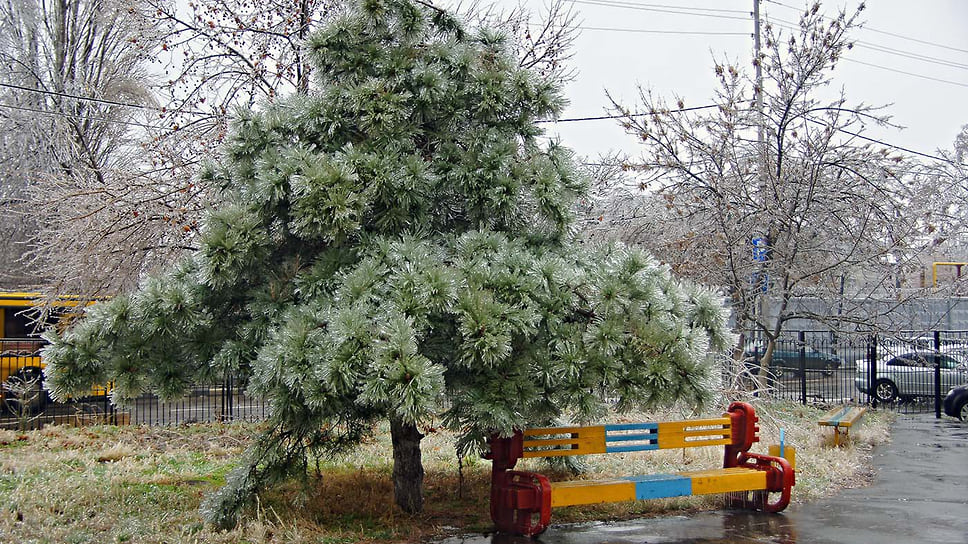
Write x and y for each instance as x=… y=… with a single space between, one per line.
x=521 y=501
x=842 y=418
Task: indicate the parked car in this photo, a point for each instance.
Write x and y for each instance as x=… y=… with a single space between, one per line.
x=788 y=361
x=910 y=374
x=956 y=402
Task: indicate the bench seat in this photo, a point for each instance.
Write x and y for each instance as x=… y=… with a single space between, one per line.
x=842 y=418
x=657 y=486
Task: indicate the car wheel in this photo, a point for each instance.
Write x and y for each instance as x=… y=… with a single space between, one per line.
x=777 y=368
x=885 y=391
x=963 y=411
x=24 y=391
x=828 y=369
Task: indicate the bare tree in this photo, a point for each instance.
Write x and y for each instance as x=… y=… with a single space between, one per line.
x=542 y=42
x=102 y=232
x=217 y=55
x=945 y=178
x=69 y=79
x=774 y=192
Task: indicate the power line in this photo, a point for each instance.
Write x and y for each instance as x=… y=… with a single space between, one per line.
x=96 y=100
x=895 y=35
x=73 y=116
x=658 y=8
x=662 y=8
x=639 y=5
x=790 y=25
x=885 y=144
x=619 y=116
x=925 y=42
x=914 y=56
x=907 y=73
x=675 y=32
x=793 y=26
x=710 y=106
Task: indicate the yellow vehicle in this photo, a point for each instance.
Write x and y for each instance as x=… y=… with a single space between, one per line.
x=21 y=367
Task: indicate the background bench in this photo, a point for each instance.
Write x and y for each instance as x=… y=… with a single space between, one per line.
x=842 y=418
x=521 y=502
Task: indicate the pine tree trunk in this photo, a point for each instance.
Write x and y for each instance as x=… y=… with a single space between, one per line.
x=408 y=470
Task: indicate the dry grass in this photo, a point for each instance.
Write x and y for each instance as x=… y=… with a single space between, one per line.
x=140 y=484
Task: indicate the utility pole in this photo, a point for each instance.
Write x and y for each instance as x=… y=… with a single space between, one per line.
x=758 y=100
x=760 y=240
x=757 y=66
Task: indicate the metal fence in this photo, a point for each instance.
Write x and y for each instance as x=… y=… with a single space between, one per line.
x=907 y=372
x=26 y=405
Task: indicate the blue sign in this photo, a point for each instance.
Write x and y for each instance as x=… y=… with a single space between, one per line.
x=760 y=248
x=760 y=282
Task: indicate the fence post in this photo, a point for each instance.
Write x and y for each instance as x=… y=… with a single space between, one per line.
x=937 y=374
x=801 y=340
x=872 y=370
x=228 y=404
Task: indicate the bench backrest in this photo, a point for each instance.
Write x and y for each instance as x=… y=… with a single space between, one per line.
x=736 y=430
x=626 y=437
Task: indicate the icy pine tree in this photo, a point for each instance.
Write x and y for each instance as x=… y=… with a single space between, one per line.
x=398 y=245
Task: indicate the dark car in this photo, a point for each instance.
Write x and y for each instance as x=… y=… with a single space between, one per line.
x=956 y=402
x=788 y=361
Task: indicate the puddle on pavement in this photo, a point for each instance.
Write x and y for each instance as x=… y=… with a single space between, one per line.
x=733 y=527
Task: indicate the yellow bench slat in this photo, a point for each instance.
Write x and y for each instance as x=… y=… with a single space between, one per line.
x=842 y=417
x=593 y=430
x=726 y=480
x=700 y=432
x=582 y=447
x=700 y=482
x=584 y=441
x=591 y=492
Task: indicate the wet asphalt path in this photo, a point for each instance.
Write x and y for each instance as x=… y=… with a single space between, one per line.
x=920 y=495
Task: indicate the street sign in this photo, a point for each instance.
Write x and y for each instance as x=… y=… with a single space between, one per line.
x=760 y=248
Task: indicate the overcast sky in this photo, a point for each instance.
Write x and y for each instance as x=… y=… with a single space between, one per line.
x=913 y=55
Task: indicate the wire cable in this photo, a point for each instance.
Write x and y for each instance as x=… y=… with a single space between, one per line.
x=621 y=3
x=76 y=117
x=790 y=25
x=671 y=32
x=97 y=100
x=619 y=116
x=886 y=33
x=710 y=106
x=938 y=79
x=913 y=56
x=672 y=9
x=793 y=26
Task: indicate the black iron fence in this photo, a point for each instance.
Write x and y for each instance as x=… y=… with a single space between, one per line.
x=26 y=405
x=907 y=372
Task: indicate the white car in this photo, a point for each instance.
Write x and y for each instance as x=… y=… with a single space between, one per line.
x=911 y=374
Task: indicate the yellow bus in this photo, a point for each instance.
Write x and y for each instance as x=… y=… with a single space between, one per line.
x=21 y=367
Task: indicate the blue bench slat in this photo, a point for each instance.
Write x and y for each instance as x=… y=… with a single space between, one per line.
x=631 y=447
x=841 y=414
x=631 y=437
x=835 y=419
x=632 y=427
x=658 y=486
